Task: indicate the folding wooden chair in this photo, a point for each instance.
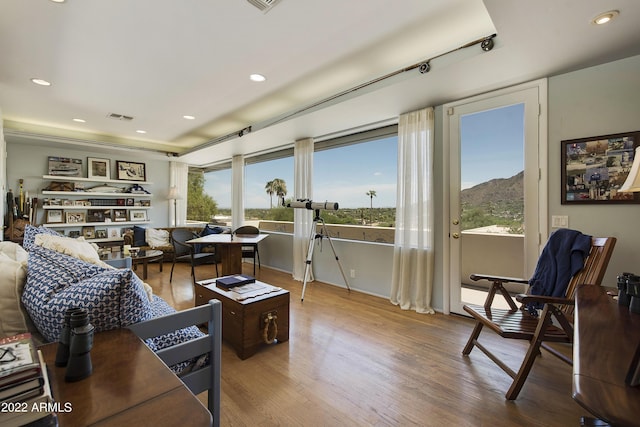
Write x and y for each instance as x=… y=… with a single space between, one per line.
x=518 y=323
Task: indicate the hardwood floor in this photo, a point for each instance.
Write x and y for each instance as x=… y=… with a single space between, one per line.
x=357 y=360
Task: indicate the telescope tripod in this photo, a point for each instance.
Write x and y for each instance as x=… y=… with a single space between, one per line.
x=313 y=235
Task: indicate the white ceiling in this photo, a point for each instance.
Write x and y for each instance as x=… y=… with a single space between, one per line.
x=157 y=60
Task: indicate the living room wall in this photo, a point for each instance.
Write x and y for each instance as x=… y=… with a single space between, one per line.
x=595 y=101
x=29 y=161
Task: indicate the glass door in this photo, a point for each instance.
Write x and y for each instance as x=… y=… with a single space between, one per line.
x=494 y=180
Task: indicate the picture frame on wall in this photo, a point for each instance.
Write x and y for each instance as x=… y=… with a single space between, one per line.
x=594 y=168
x=98 y=168
x=54 y=216
x=64 y=166
x=131 y=171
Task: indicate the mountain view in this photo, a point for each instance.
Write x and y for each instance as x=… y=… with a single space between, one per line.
x=496 y=202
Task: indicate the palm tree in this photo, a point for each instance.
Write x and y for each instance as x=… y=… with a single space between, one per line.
x=270 y=192
x=371 y=194
x=278 y=187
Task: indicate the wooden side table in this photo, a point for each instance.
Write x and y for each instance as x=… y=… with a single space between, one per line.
x=145 y=257
x=129 y=386
x=243 y=321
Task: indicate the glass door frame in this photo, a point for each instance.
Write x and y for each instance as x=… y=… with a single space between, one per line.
x=534 y=96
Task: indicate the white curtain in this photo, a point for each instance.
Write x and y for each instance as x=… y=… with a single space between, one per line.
x=237 y=191
x=413 y=257
x=302 y=218
x=179 y=178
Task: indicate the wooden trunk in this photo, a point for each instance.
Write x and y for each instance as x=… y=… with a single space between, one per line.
x=243 y=322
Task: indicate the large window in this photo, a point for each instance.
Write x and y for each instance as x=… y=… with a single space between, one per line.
x=361 y=176
x=267 y=182
x=357 y=171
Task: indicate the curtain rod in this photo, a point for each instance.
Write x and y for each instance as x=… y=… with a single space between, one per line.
x=486 y=43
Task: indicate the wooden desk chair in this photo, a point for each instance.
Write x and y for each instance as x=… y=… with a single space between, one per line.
x=518 y=323
x=186 y=252
x=199 y=380
x=249 y=250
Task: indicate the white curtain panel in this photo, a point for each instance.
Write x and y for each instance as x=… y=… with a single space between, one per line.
x=302 y=218
x=413 y=256
x=237 y=191
x=179 y=178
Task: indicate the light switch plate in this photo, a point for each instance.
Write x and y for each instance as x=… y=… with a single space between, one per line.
x=559 y=221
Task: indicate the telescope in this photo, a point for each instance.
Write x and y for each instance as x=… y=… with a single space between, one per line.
x=313 y=206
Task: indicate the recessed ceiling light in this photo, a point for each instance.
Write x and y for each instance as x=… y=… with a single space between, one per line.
x=257 y=77
x=141 y=131
x=41 y=82
x=80 y=120
x=605 y=17
x=58 y=1
x=189 y=117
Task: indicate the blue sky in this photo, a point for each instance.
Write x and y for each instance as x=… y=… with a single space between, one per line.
x=342 y=175
x=491 y=148
x=501 y=130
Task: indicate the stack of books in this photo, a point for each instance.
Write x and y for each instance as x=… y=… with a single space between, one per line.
x=228 y=282
x=25 y=393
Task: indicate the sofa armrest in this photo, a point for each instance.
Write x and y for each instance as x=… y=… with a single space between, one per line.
x=127 y=238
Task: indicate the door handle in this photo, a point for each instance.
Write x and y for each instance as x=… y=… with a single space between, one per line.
x=456 y=235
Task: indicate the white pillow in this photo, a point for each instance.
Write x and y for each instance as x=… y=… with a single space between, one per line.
x=77 y=248
x=157 y=238
x=13 y=275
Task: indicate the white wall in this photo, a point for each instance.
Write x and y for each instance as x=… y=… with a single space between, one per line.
x=29 y=161
x=597 y=101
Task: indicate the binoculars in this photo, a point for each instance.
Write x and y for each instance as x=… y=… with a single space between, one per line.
x=74 y=346
x=629 y=291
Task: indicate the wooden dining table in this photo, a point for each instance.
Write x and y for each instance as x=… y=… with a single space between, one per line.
x=230 y=247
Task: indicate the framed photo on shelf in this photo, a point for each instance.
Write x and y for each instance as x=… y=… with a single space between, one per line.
x=594 y=168
x=54 y=216
x=131 y=171
x=96 y=215
x=98 y=168
x=75 y=217
x=74 y=233
x=119 y=215
x=64 y=166
x=114 y=233
x=89 y=232
x=101 y=233
x=135 y=215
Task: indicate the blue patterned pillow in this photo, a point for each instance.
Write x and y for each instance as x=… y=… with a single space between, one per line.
x=114 y=298
x=161 y=308
x=30 y=233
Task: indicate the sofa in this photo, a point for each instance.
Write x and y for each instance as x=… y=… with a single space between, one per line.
x=159 y=238
x=52 y=273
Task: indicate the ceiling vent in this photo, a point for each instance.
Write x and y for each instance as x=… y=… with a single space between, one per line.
x=116 y=116
x=264 y=5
